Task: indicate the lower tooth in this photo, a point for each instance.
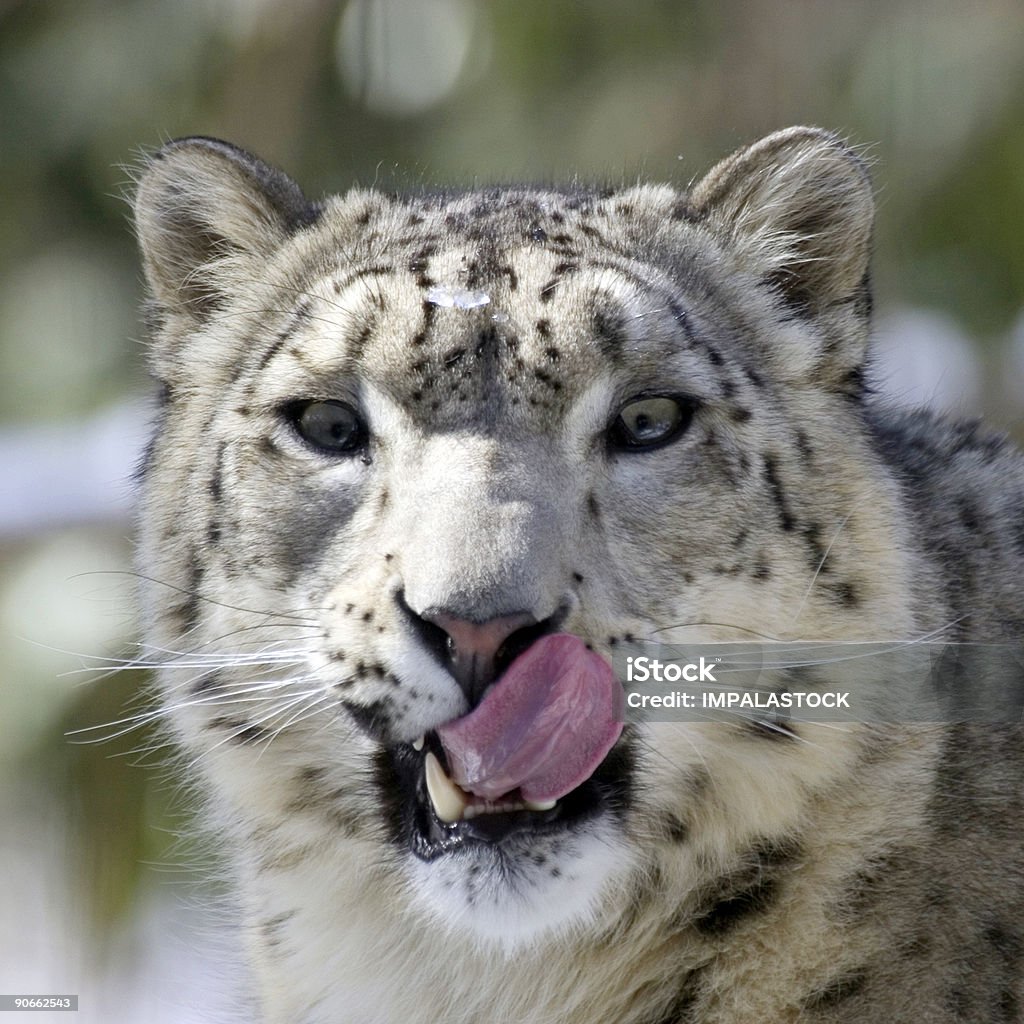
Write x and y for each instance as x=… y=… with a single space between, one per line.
x=474 y=809
x=539 y=805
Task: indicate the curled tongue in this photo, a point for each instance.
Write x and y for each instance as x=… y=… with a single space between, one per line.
x=543 y=727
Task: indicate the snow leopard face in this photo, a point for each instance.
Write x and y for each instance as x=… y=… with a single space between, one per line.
x=407 y=442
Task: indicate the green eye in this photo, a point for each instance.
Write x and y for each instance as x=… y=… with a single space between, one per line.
x=333 y=427
x=650 y=422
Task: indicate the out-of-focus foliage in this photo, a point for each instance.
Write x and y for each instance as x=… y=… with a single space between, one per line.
x=402 y=93
x=408 y=91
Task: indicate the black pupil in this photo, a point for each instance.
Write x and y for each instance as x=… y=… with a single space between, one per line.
x=653 y=419
x=330 y=425
x=649 y=422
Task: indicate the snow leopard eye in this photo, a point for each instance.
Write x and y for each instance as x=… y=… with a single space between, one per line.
x=650 y=421
x=333 y=427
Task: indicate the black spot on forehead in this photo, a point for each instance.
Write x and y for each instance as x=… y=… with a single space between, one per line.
x=429 y=314
x=526 y=251
x=361 y=339
x=548 y=217
x=299 y=317
x=610 y=331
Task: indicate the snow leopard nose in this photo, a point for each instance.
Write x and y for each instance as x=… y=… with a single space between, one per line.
x=472 y=648
x=476 y=653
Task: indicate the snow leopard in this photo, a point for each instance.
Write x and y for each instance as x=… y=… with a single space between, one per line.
x=425 y=461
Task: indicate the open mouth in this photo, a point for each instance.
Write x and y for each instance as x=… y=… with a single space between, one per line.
x=539 y=753
x=465 y=820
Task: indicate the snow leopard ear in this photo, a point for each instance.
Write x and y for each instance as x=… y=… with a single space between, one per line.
x=205 y=211
x=798 y=204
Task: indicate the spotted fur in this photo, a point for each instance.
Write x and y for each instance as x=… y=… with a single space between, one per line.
x=735 y=873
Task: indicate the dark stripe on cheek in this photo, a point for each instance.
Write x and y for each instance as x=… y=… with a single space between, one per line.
x=812 y=535
x=778 y=495
x=844 y=593
x=188 y=609
x=751 y=890
x=727 y=913
x=270 y=929
x=240 y=732
x=882 y=874
x=210 y=682
x=374 y=719
x=803 y=445
x=676 y=830
x=216 y=492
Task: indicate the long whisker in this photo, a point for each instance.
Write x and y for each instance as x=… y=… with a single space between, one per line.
x=294 y=615
x=313 y=708
x=821 y=565
x=258 y=722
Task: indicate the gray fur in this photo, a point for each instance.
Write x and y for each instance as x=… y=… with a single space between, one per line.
x=868 y=874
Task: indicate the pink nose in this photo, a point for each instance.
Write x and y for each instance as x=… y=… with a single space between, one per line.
x=473 y=646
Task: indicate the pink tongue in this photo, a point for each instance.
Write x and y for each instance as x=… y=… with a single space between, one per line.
x=543 y=727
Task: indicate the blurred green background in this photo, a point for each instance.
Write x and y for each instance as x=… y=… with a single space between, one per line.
x=392 y=92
